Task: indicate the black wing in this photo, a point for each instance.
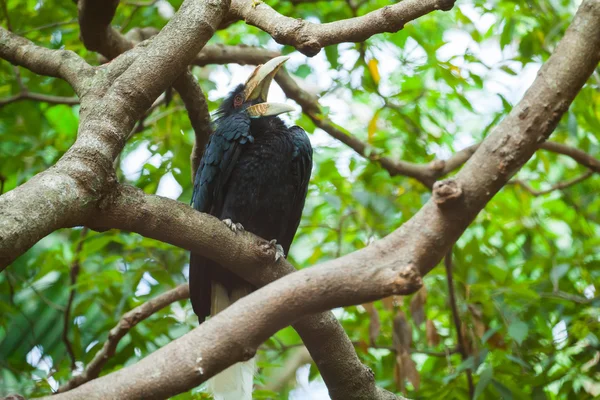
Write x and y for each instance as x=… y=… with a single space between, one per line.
x=220 y=156
x=301 y=170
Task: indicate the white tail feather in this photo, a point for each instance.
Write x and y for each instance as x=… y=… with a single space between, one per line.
x=234 y=383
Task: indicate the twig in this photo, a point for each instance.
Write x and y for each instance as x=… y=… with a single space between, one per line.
x=560 y=295
x=462 y=348
x=556 y=186
x=48 y=26
x=5 y=10
x=74 y=273
x=127 y=321
x=25 y=95
x=137 y=6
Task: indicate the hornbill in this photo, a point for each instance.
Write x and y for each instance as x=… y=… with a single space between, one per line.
x=253 y=175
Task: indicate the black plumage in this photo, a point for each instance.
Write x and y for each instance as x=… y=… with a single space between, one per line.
x=254 y=171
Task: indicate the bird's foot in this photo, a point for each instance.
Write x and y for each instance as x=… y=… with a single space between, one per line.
x=234 y=226
x=273 y=245
x=255 y=3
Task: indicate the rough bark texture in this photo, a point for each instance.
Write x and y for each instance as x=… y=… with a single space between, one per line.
x=387 y=266
x=310 y=38
x=81 y=190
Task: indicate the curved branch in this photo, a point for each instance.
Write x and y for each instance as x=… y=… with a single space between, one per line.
x=125 y=324
x=427 y=174
x=62 y=64
x=578 y=155
x=197 y=110
x=310 y=38
x=98 y=35
x=74 y=274
x=556 y=186
x=251 y=258
x=323 y=334
x=391 y=265
x=96 y=32
x=45 y=98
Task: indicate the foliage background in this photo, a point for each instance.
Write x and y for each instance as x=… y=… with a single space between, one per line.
x=526 y=273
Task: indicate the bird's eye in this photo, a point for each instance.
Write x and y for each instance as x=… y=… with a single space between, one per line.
x=237 y=101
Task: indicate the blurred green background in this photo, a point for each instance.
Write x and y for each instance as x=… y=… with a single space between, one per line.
x=526 y=273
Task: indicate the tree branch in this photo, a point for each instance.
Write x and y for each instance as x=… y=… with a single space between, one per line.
x=73 y=273
x=170 y=221
x=70 y=101
x=427 y=174
x=197 y=109
x=62 y=64
x=392 y=265
x=462 y=348
x=556 y=186
x=125 y=324
x=322 y=334
x=95 y=17
x=578 y=155
x=310 y=38
x=96 y=33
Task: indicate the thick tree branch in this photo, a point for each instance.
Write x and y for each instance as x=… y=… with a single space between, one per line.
x=171 y=221
x=310 y=38
x=126 y=323
x=392 y=265
x=322 y=334
x=63 y=195
x=95 y=17
x=96 y=32
x=62 y=64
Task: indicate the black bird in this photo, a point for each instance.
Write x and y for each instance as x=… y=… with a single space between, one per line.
x=253 y=175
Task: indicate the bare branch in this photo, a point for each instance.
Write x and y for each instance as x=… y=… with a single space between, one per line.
x=126 y=323
x=427 y=174
x=578 y=155
x=48 y=26
x=310 y=38
x=240 y=54
x=197 y=109
x=62 y=64
x=111 y=43
x=560 y=295
x=96 y=32
x=74 y=273
x=171 y=221
x=70 y=101
x=322 y=334
x=462 y=348
x=556 y=186
x=388 y=266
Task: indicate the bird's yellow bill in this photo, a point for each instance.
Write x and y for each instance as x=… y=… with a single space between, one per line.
x=268 y=109
x=257 y=85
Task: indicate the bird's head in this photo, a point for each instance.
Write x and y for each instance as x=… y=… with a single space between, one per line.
x=251 y=97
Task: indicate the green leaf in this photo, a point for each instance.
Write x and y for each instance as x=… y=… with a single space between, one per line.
x=485 y=378
x=518 y=331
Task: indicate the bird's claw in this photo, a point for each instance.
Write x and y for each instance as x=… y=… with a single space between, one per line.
x=234 y=226
x=255 y=3
x=279 y=253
